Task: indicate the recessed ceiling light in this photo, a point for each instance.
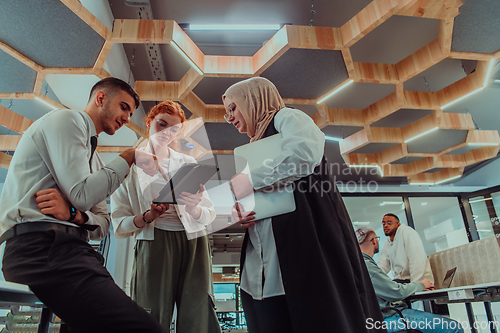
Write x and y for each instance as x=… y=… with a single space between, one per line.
x=46 y=103
x=448 y=179
x=421 y=134
x=234 y=27
x=335 y=91
x=330 y=138
x=191 y=62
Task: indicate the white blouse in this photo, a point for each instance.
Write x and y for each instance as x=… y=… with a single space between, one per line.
x=303 y=147
x=131 y=199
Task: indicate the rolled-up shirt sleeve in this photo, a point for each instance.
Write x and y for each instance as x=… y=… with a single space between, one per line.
x=123 y=204
x=302 y=144
x=389 y=290
x=98 y=215
x=63 y=145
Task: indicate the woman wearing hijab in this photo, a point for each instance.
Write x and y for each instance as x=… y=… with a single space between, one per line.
x=168 y=267
x=301 y=271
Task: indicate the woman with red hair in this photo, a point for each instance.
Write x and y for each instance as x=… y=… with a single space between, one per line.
x=168 y=267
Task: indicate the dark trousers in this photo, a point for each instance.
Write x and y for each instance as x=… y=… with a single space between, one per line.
x=269 y=315
x=68 y=276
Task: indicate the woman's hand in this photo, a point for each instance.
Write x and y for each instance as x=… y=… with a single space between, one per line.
x=246 y=219
x=157 y=210
x=192 y=202
x=241 y=186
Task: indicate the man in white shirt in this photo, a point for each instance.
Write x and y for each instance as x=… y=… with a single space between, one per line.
x=53 y=202
x=403 y=252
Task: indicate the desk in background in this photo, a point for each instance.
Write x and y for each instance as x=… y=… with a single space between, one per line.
x=18 y=294
x=486 y=292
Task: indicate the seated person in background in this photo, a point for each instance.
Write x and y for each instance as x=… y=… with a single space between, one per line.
x=391 y=293
x=403 y=252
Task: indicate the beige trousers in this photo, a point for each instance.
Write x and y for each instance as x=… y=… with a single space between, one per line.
x=174 y=270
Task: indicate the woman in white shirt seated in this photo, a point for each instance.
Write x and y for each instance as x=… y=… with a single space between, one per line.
x=301 y=271
x=168 y=267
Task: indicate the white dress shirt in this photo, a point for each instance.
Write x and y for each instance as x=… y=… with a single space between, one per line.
x=303 y=147
x=54 y=152
x=406 y=256
x=133 y=198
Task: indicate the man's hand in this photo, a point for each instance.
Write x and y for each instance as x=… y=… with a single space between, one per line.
x=428 y=285
x=144 y=160
x=241 y=186
x=51 y=202
x=149 y=163
x=246 y=219
x=192 y=202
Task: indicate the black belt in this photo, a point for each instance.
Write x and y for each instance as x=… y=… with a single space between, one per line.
x=27 y=227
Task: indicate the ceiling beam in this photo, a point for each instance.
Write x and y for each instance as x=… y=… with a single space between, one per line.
x=49 y=101
x=157 y=90
x=375 y=73
x=471 y=83
x=420 y=100
x=214 y=114
x=190 y=49
x=195 y=105
x=381 y=108
x=349 y=64
x=270 y=52
x=471 y=56
x=103 y=54
x=22 y=58
x=314 y=38
x=86 y=16
x=188 y=82
x=5 y=160
x=9 y=142
x=14 y=121
x=345 y=117
x=417 y=62
x=142 y=31
x=137 y=129
x=436 y=9
x=40 y=76
x=228 y=66
x=109 y=149
x=370 y=17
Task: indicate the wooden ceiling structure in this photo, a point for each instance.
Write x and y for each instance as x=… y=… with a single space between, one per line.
x=313 y=38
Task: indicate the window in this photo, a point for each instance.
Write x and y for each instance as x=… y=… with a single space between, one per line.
x=369 y=211
x=439 y=222
x=484 y=211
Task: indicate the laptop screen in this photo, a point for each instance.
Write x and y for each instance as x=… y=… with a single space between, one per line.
x=448 y=278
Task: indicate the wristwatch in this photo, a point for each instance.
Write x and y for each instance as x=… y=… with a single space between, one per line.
x=72 y=212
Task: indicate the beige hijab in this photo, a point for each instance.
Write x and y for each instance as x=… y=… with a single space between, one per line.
x=258 y=100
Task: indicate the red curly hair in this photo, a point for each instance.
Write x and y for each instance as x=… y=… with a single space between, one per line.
x=167 y=106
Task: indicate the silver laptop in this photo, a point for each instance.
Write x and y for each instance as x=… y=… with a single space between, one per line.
x=248 y=158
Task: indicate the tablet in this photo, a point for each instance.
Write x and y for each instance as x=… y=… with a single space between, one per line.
x=187 y=179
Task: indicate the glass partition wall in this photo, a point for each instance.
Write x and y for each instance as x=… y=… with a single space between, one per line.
x=443 y=221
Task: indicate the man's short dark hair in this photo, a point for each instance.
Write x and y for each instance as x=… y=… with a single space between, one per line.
x=393 y=215
x=111 y=85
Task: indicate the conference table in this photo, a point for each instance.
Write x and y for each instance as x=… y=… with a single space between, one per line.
x=486 y=292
